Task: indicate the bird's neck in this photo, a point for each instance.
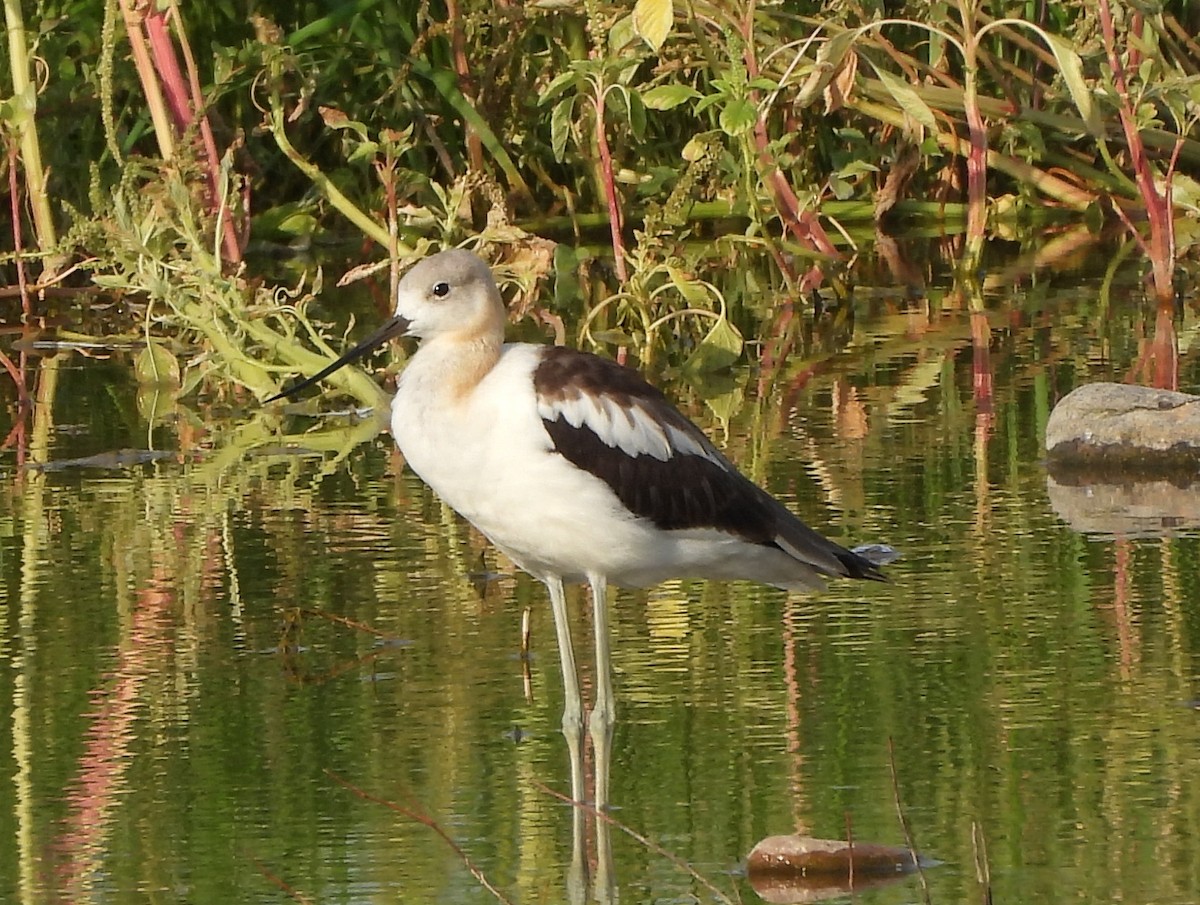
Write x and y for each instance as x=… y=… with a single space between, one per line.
x=450 y=367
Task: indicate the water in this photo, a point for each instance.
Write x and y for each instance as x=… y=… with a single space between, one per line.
x=256 y=672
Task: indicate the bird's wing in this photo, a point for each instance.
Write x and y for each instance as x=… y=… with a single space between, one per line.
x=607 y=420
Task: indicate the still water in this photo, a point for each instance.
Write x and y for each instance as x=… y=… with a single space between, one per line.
x=269 y=668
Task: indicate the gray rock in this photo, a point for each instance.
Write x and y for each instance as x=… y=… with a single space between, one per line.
x=1116 y=424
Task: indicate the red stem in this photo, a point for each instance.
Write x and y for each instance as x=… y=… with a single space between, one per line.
x=976 y=172
x=1161 y=247
x=186 y=101
x=804 y=225
x=615 y=222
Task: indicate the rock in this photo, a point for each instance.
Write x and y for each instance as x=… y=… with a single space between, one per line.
x=791 y=869
x=1117 y=424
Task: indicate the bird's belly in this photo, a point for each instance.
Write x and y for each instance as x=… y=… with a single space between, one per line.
x=546 y=515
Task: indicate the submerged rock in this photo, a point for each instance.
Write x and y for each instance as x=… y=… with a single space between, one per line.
x=790 y=869
x=1135 y=428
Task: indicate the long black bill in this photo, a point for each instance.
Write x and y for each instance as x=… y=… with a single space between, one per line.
x=397 y=326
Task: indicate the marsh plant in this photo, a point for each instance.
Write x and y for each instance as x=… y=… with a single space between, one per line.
x=160 y=149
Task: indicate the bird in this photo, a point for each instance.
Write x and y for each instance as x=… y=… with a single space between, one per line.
x=575 y=467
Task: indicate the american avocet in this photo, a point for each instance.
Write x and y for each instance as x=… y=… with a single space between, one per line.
x=575 y=467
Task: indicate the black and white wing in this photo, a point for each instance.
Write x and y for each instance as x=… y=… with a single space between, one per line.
x=607 y=420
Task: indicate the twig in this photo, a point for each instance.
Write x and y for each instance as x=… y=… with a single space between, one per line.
x=292 y=893
x=634 y=834
x=983 y=873
x=18 y=379
x=342 y=620
x=850 y=848
x=425 y=820
x=908 y=839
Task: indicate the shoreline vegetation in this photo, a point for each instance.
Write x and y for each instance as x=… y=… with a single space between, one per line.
x=152 y=148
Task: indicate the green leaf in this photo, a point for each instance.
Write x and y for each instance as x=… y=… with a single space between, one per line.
x=637 y=114
x=719 y=349
x=557 y=86
x=857 y=168
x=364 y=150
x=623 y=33
x=698 y=145
x=737 y=117
x=693 y=291
x=1071 y=67
x=653 y=20
x=707 y=101
x=614 y=337
x=668 y=97
x=155 y=366
x=908 y=99
x=560 y=126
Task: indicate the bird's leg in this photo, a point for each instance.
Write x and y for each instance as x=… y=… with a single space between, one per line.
x=604 y=714
x=572 y=726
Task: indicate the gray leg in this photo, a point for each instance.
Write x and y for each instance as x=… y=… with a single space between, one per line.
x=572 y=729
x=604 y=714
x=600 y=728
x=572 y=721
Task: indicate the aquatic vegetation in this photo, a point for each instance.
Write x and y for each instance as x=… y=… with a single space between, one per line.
x=410 y=126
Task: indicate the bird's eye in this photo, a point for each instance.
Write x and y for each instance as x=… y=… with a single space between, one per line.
x=441 y=289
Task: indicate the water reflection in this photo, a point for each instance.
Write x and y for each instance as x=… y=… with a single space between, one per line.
x=119 y=703
x=165 y=732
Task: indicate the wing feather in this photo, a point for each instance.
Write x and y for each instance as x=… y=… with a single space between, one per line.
x=607 y=420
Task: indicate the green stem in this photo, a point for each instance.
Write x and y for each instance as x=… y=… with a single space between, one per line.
x=324 y=184
x=25 y=124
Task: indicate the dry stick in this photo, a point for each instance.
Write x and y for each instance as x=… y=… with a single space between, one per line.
x=634 y=834
x=292 y=893
x=982 y=872
x=850 y=847
x=425 y=820
x=526 y=632
x=526 y=673
x=908 y=839
x=342 y=620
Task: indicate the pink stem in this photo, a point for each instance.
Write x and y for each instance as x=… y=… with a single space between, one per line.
x=615 y=222
x=1161 y=248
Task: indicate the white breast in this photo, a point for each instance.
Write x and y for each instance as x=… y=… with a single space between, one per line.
x=488 y=456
